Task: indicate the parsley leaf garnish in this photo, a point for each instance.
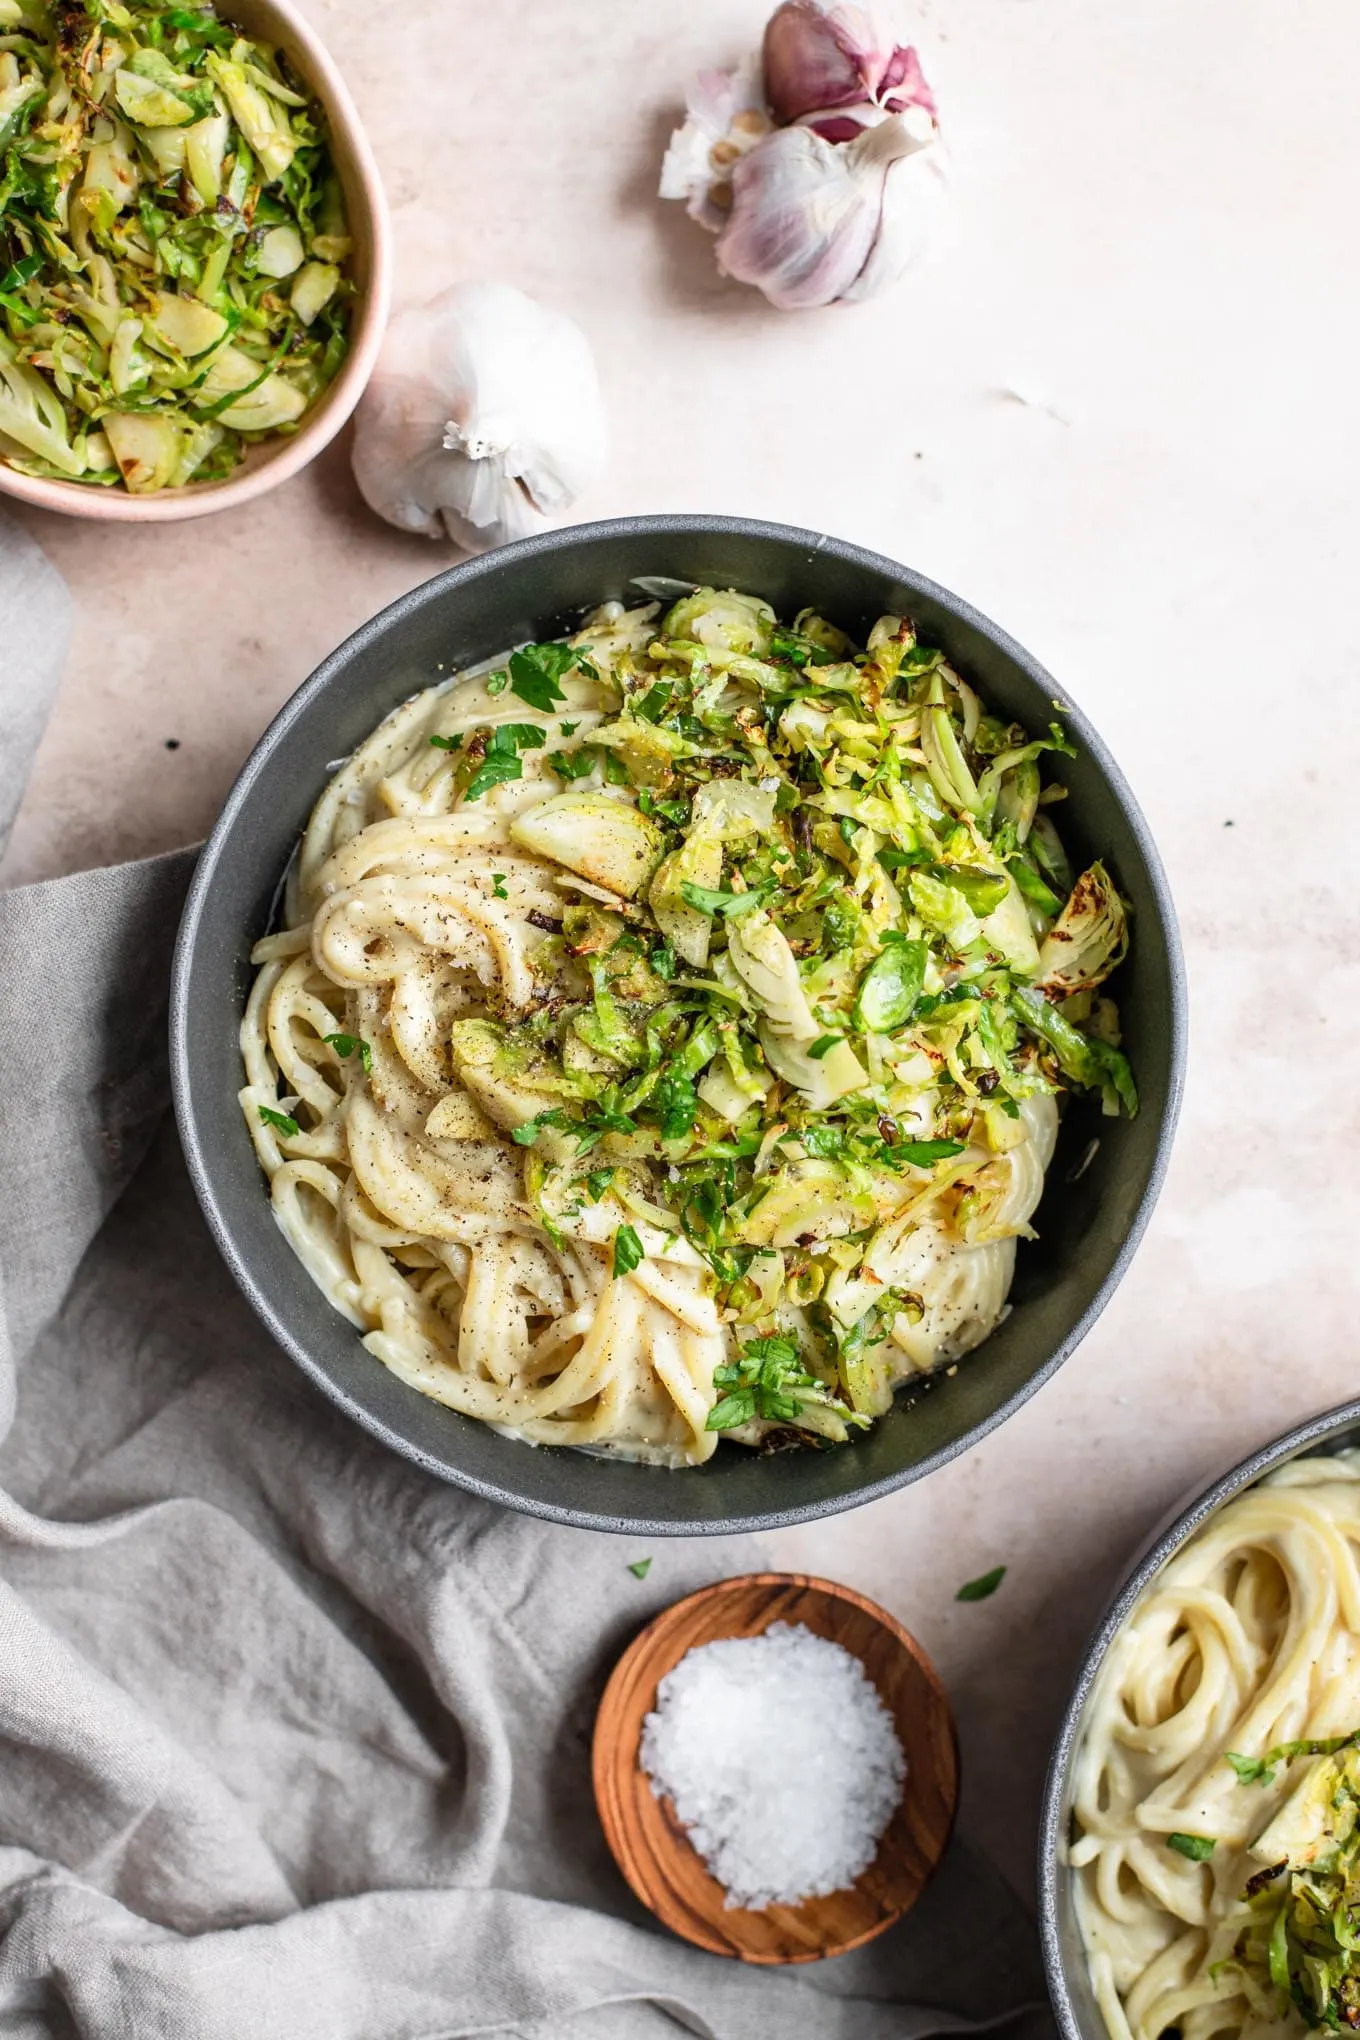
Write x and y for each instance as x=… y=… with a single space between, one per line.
x=982 y=1588
x=502 y=759
x=640 y=1568
x=498 y=891
x=527 y=1134
x=674 y=811
x=280 y=1120
x=571 y=764
x=447 y=743
x=708 y=901
x=789 y=646
x=1250 y=1770
x=628 y=1253
x=768 y=1380
x=922 y=1154
x=1199 y=1848
x=677 y=1105
x=536 y=670
x=346 y=1045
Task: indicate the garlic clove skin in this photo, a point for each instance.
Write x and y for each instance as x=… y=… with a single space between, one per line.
x=807 y=213
x=913 y=197
x=483 y=419
x=725 y=117
x=821 y=56
x=903 y=84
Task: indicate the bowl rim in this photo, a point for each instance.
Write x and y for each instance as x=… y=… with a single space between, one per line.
x=1172 y=1532
x=235 y=808
x=336 y=404
x=603 y=1765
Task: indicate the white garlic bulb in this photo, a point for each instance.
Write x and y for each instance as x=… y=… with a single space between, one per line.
x=483 y=419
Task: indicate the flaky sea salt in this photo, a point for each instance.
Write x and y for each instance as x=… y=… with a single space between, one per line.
x=780 y=1760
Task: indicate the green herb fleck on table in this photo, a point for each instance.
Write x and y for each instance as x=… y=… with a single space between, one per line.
x=982 y=1588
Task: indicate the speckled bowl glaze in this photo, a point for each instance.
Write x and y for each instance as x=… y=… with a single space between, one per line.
x=1105 y=1175
x=273 y=460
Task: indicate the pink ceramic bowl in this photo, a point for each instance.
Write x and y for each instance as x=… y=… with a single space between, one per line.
x=272 y=460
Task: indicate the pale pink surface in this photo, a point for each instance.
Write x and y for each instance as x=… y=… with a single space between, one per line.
x=1129 y=379
x=273 y=460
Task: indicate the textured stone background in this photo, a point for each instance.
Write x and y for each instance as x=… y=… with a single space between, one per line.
x=1118 y=409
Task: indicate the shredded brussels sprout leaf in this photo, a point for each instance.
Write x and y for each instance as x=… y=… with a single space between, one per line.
x=1299 y=1949
x=174 y=253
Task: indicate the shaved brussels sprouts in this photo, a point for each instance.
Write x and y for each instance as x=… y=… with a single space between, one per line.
x=172 y=244
x=1089 y=938
x=837 y=977
x=605 y=840
x=722 y=623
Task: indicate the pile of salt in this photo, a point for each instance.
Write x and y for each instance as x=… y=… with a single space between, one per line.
x=780 y=1760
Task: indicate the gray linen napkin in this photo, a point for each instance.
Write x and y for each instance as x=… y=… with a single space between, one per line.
x=294 y=1740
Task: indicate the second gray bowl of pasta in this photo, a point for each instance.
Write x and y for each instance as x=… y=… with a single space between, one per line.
x=1200 y=1844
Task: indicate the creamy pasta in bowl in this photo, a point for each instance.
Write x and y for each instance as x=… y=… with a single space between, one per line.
x=663 y=1037
x=667 y=1031
x=1202 y=1834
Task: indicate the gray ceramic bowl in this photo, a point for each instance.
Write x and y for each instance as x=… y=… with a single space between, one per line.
x=1069 y=1981
x=1089 y=1227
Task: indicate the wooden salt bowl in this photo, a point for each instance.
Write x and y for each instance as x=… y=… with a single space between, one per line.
x=652 y=1849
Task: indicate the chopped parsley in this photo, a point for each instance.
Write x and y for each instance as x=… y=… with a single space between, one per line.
x=346 y=1045
x=1199 y=1848
x=501 y=759
x=628 y=1252
x=706 y=900
x=536 y=671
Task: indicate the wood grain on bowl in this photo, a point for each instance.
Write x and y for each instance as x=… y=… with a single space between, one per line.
x=652 y=1849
